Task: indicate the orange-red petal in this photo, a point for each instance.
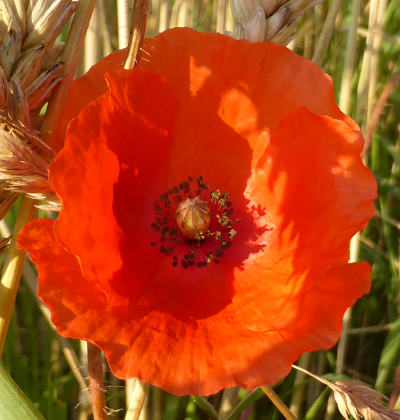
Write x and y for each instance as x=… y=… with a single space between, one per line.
x=197 y=357
x=267 y=132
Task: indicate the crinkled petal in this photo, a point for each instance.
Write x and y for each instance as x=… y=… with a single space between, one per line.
x=74 y=302
x=198 y=357
x=251 y=99
x=294 y=176
x=84 y=90
x=115 y=156
x=317 y=194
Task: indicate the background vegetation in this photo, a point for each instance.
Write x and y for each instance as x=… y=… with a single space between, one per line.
x=362 y=67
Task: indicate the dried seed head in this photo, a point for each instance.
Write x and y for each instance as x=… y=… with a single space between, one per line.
x=270 y=6
x=28 y=65
x=46 y=18
x=358 y=400
x=277 y=21
x=39 y=90
x=242 y=10
x=193 y=217
x=254 y=30
x=24 y=160
x=17 y=105
x=10 y=49
x=4 y=90
x=28 y=29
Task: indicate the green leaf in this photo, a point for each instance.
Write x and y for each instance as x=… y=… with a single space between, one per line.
x=389 y=357
x=249 y=399
x=205 y=406
x=314 y=410
x=14 y=404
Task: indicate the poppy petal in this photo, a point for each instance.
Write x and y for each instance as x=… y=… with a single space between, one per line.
x=270 y=135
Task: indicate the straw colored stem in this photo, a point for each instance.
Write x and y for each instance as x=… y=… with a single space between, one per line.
x=104 y=29
x=96 y=384
x=123 y=23
x=393 y=82
x=344 y=338
x=164 y=14
x=350 y=59
x=156 y=403
x=138 y=29
x=326 y=34
x=185 y=14
x=72 y=51
x=12 y=271
x=136 y=400
x=221 y=12
x=279 y=404
x=363 y=85
x=229 y=400
x=91 y=49
x=370 y=330
x=173 y=22
x=374 y=65
x=299 y=386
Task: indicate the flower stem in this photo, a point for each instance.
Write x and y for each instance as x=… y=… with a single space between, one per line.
x=96 y=384
x=279 y=404
x=136 y=400
x=138 y=29
x=13 y=269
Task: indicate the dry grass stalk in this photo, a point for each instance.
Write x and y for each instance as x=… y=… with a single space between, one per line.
x=327 y=31
x=357 y=400
x=268 y=20
x=138 y=29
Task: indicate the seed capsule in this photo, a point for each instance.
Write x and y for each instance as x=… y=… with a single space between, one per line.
x=193 y=217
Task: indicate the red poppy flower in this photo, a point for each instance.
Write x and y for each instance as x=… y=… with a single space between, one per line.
x=251 y=135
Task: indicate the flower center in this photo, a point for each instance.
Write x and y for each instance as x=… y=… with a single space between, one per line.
x=194 y=224
x=193 y=217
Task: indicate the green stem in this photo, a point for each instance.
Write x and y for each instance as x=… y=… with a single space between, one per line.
x=13 y=270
